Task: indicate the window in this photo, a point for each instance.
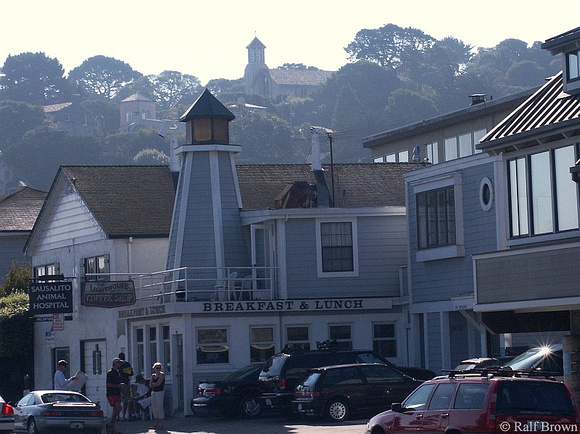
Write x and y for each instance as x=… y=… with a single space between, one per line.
x=336 y=247
x=384 y=341
x=140 y=351
x=573 y=65
x=261 y=343
x=463 y=144
x=95 y=265
x=541 y=191
x=212 y=346
x=471 y=396
x=297 y=337
x=47 y=270
x=436 y=218
x=418 y=399
x=381 y=374
x=441 y=399
x=152 y=344
x=432 y=152
x=341 y=334
x=166 y=348
x=397 y=157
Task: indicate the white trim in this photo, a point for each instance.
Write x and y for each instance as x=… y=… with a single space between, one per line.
x=207 y=148
x=214 y=174
x=186 y=172
x=445 y=340
x=236 y=180
x=281 y=260
x=454 y=180
x=544 y=304
x=485 y=181
x=354 y=226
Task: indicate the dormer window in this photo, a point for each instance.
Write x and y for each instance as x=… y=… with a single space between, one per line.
x=573 y=65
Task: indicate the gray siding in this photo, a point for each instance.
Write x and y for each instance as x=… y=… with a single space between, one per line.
x=434 y=350
x=528 y=276
x=381 y=250
x=237 y=253
x=441 y=279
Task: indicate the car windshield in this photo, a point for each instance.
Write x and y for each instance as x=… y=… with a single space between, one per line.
x=48 y=398
x=528 y=359
x=311 y=379
x=245 y=372
x=274 y=365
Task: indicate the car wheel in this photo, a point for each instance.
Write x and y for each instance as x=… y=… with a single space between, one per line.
x=377 y=430
x=32 y=427
x=337 y=410
x=250 y=407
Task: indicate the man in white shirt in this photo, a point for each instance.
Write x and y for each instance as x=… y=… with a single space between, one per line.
x=60 y=381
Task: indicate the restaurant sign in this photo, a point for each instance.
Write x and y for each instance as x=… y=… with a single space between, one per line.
x=109 y=294
x=50 y=297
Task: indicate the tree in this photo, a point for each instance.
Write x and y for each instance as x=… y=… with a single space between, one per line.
x=34 y=78
x=171 y=87
x=389 y=46
x=406 y=107
x=16 y=118
x=36 y=159
x=16 y=281
x=222 y=85
x=122 y=148
x=102 y=77
x=16 y=343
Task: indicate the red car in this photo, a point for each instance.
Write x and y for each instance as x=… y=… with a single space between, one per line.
x=500 y=402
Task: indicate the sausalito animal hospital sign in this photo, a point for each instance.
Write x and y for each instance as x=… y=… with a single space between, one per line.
x=50 y=297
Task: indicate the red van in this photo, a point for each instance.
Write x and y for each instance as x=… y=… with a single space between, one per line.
x=485 y=402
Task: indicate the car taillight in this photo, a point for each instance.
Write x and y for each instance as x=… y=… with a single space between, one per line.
x=282 y=383
x=97 y=414
x=7 y=410
x=52 y=413
x=212 y=391
x=492 y=408
x=307 y=394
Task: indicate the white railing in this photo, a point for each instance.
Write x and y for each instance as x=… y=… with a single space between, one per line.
x=199 y=284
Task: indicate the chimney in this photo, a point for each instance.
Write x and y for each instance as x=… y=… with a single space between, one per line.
x=323 y=195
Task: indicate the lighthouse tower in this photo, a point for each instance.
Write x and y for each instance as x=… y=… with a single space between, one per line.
x=206 y=230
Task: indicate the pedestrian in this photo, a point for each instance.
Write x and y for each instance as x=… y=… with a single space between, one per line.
x=142 y=398
x=126 y=372
x=114 y=393
x=60 y=380
x=157 y=385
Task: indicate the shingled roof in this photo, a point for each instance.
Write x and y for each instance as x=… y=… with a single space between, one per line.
x=356 y=185
x=127 y=200
x=19 y=210
x=548 y=114
x=302 y=77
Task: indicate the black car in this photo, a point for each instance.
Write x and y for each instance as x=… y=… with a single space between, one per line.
x=236 y=394
x=335 y=392
x=282 y=372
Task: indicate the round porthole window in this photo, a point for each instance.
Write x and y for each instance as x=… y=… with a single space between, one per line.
x=486 y=194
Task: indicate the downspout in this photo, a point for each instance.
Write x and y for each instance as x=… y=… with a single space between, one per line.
x=130 y=255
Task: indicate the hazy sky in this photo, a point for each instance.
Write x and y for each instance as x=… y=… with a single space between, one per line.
x=208 y=39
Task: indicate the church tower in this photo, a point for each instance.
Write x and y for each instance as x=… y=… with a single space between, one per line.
x=257 y=75
x=206 y=230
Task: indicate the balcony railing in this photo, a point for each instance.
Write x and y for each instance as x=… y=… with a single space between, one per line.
x=190 y=284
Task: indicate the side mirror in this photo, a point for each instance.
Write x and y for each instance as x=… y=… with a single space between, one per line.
x=397 y=407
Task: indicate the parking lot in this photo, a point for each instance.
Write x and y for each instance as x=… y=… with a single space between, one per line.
x=268 y=424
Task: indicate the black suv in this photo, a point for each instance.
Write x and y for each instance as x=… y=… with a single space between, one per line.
x=337 y=391
x=282 y=372
x=236 y=394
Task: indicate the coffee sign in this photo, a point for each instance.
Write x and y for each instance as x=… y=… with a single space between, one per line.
x=109 y=294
